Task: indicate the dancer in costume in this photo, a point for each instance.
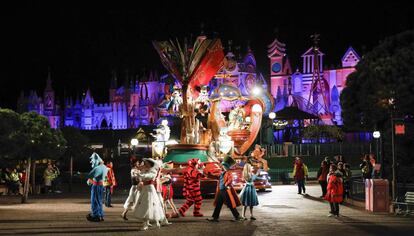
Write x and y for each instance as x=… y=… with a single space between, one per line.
x=158 y=188
x=248 y=195
x=226 y=194
x=167 y=195
x=148 y=207
x=191 y=188
x=134 y=190
x=109 y=184
x=95 y=179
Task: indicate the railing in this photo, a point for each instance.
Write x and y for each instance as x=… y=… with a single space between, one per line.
x=328 y=149
x=357 y=189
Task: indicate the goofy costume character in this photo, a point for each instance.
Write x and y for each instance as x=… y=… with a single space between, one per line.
x=226 y=194
x=96 y=178
x=191 y=189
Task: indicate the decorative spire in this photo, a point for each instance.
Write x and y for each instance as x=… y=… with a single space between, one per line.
x=202 y=29
x=126 y=80
x=290 y=85
x=230 y=42
x=249 y=50
x=114 y=81
x=315 y=39
x=49 y=80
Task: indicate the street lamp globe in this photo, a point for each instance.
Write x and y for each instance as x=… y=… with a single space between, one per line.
x=256 y=91
x=256 y=108
x=134 y=142
x=376 y=134
x=272 y=115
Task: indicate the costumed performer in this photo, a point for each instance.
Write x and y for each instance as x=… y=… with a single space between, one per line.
x=95 y=179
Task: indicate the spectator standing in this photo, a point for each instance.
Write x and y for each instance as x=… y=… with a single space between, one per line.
x=366 y=168
x=22 y=179
x=13 y=181
x=48 y=176
x=322 y=175
x=300 y=173
x=56 y=181
x=347 y=180
x=335 y=190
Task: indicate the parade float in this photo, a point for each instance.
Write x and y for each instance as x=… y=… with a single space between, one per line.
x=217 y=124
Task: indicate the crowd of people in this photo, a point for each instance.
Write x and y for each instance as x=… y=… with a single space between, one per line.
x=334 y=177
x=151 y=191
x=14 y=179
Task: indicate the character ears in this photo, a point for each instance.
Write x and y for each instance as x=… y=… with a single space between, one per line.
x=199 y=88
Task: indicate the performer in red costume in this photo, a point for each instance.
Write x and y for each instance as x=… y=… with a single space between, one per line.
x=191 y=189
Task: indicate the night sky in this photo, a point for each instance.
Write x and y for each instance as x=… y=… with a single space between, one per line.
x=83 y=44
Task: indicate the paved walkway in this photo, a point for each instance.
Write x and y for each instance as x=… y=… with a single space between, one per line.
x=281 y=212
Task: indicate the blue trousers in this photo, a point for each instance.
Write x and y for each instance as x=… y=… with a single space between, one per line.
x=96 y=200
x=301 y=185
x=108 y=196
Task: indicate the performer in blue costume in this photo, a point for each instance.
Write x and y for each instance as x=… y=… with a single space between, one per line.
x=95 y=179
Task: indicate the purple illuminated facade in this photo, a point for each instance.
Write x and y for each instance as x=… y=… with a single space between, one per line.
x=142 y=101
x=287 y=86
x=133 y=104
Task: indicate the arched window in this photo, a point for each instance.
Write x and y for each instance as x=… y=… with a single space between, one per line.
x=104 y=124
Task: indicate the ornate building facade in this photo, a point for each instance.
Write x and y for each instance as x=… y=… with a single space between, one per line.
x=143 y=100
x=130 y=105
x=288 y=86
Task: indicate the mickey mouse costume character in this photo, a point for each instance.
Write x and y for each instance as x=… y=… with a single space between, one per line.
x=202 y=99
x=191 y=189
x=95 y=179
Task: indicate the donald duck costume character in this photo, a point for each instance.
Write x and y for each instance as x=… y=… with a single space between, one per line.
x=96 y=178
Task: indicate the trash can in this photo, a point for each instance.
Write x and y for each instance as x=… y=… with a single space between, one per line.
x=379 y=195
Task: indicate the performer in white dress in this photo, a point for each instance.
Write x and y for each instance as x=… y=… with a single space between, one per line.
x=148 y=207
x=134 y=190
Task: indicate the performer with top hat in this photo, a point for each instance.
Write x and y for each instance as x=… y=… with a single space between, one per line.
x=225 y=193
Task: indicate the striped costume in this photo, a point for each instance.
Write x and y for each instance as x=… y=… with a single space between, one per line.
x=191 y=189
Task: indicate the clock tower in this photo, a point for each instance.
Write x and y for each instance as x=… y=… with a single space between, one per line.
x=279 y=66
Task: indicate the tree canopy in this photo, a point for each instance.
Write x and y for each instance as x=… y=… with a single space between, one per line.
x=28 y=134
x=383 y=81
x=76 y=142
x=322 y=132
x=383 y=86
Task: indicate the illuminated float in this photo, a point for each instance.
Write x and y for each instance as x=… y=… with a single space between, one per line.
x=215 y=137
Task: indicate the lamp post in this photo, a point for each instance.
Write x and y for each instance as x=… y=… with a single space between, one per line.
x=134 y=143
x=394 y=176
x=377 y=135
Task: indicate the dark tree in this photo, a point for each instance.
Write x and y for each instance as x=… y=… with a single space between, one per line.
x=383 y=87
x=76 y=147
x=383 y=82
